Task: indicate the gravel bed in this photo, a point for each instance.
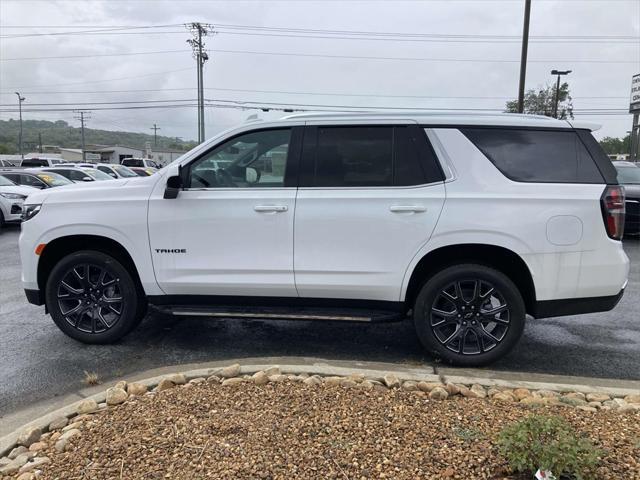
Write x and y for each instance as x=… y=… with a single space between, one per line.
x=281 y=428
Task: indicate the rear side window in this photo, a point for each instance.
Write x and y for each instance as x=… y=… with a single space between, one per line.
x=130 y=162
x=32 y=162
x=542 y=156
x=372 y=156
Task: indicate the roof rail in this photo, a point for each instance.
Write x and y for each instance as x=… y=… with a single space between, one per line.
x=413 y=113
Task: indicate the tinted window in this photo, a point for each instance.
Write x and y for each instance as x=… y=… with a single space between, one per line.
x=34 y=162
x=256 y=159
x=131 y=162
x=545 y=156
x=354 y=157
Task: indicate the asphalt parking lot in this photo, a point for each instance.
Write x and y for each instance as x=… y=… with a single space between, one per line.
x=38 y=362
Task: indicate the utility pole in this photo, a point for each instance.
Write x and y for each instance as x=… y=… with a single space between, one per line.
x=40 y=141
x=199 y=30
x=20 y=100
x=155 y=129
x=559 y=73
x=82 y=119
x=523 y=55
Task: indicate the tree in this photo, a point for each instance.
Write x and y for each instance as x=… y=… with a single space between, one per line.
x=6 y=149
x=542 y=101
x=613 y=145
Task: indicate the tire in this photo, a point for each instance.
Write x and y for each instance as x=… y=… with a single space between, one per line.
x=1 y=219
x=465 y=325
x=109 y=303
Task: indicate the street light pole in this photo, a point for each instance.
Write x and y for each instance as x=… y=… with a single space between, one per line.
x=20 y=100
x=559 y=73
x=523 y=55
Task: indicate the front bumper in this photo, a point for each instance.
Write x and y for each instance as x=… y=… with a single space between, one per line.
x=14 y=215
x=575 y=306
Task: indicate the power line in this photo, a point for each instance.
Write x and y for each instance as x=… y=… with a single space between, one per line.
x=121 y=54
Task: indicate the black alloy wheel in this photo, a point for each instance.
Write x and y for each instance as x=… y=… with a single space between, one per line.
x=93 y=298
x=469 y=315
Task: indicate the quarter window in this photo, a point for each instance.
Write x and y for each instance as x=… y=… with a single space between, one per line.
x=256 y=159
x=544 y=156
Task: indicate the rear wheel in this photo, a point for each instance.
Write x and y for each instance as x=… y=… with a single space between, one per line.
x=93 y=298
x=469 y=315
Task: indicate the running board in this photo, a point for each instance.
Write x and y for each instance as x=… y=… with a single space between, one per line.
x=336 y=315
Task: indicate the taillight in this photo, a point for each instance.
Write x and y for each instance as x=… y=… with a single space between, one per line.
x=613 y=209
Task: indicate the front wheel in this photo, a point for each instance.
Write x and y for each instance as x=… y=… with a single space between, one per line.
x=469 y=315
x=92 y=297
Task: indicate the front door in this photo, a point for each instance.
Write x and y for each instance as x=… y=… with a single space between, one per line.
x=230 y=230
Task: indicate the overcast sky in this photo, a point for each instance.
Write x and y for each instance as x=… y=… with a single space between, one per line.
x=442 y=72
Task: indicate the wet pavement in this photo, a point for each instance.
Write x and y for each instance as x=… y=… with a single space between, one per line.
x=39 y=362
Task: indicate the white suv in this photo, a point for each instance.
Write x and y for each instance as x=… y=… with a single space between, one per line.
x=464 y=222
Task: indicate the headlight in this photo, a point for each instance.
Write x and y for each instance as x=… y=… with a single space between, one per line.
x=13 y=196
x=30 y=211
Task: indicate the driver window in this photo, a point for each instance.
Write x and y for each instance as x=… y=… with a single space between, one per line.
x=256 y=159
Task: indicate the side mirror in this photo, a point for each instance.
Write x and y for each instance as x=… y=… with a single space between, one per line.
x=87 y=179
x=174 y=184
x=113 y=175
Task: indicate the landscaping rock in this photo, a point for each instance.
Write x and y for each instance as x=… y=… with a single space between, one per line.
x=428 y=386
x=16 y=463
x=597 y=397
x=478 y=390
x=272 y=371
x=230 y=371
x=357 y=377
x=4 y=461
x=62 y=442
x=165 y=384
x=586 y=408
x=391 y=380
x=27 y=476
x=313 y=380
x=72 y=426
x=177 y=378
x=630 y=407
x=121 y=384
x=34 y=464
x=520 y=393
x=232 y=381
x=136 y=389
x=197 y=380
x=366 y=385
x=548 y=394
x=493 y=391
x=438 y=393
x=277 y=378
x=36 y=447
x=573 y=401
x=214 y=379
x=452 y=389
x=504 y=397
x=260 y=378
x=116 y=396
x=410 y=386
x=578 y=395
x=533 y=401
x=29 y=435
x=632 y=398
x=58 y=423
x=333 y=381
x=19 y=450
x=87 y=406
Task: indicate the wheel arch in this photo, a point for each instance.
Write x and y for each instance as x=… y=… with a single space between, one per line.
x=62 y=246
x=500 y=258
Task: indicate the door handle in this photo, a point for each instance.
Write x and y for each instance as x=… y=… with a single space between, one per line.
x=407 y=209
x=270 y=208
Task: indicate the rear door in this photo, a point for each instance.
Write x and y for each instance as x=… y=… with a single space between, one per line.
x=369 y=198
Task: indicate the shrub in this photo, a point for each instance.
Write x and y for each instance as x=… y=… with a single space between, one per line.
x=550 y=443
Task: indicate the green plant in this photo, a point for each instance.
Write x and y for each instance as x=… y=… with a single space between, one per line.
x=550 y=443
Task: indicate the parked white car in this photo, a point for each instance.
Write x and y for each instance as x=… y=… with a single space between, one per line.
x=12 y=198
x=467 y=223
x=116 y=171
x=140 y=162
x=77 y=174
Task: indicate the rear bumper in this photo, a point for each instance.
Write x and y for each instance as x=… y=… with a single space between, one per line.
x=34 y=296
x=576 y=306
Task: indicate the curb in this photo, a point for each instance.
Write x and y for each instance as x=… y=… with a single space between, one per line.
x=445 y=375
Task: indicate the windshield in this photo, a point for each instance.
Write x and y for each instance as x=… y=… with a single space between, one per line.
x=124 y=171
x=5 y=182
x=97 y=174
x=628 y=175
x=53 y=179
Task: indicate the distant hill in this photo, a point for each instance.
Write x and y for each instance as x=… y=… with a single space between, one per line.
x=62 y=134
